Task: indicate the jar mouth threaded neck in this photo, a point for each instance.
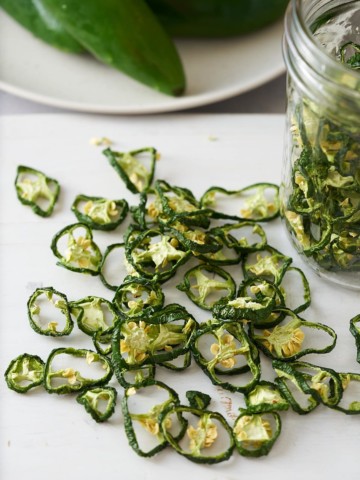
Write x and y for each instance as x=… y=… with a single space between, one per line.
x=314 y=69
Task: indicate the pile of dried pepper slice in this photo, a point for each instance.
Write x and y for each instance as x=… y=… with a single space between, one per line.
x=137 y=332
x=321 y=207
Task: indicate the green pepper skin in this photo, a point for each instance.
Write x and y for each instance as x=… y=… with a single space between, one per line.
x=216 y=18
x=125 y=35
x=36 y=17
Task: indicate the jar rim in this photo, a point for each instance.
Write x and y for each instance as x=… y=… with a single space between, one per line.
x=348 y=80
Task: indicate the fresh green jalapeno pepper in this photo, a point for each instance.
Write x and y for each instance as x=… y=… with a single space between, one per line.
x=125 y=35
x=256 y=433
x=56 y=323
x=204 y=283
x=100 y=213
x=25 y=372
x=37 y=18
x=67 y=379
x=132 y=167
x=81 y=254
x=215 y=18
x=37 y=190
x=200 y=436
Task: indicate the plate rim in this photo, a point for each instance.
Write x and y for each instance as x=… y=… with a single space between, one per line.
x=184 y=102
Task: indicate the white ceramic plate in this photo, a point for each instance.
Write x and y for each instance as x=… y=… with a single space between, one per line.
x=215 y=70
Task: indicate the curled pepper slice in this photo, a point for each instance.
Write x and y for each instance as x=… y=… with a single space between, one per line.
x=222 y=349
x=37 y=190
x=66 y=378
x=202 y=435
x=204 y=284
x=265 y=397
x=132 y=167
x=100 y=213
x=138 y=297
x=285 y=340
x=256 y=433
x=258 y=202
x=25 y=372
x=157 y=339
x=81 y=254
x=142 y=407
x=93 y=398
x=55 y=323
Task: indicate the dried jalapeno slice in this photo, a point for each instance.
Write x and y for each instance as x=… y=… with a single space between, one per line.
x=258 y=202
x=180 y=205
x=355 y=331
x=156 y=339
x=94 y=315
x=223 y=351
x=154 y=254
x=349 y=406
x=142 y=407
x=37 y=190
x=25 y=372
x=288 y=341
x=244 y=237
x=62 y=370
x=114 y=266
x=256 y=433
x=94 y=399
x=138 y=297
x=323 y=384
x=49 y=312
x=204 y=284
x=267 y=263
x=255 y=301
x=76 y=250
x=136 y=168
x=265 y=397
x=100 y=213
x=207 y=439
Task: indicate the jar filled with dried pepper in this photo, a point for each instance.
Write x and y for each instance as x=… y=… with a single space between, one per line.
x=320 y=191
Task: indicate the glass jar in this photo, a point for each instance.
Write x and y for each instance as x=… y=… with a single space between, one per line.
x=320 y=190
